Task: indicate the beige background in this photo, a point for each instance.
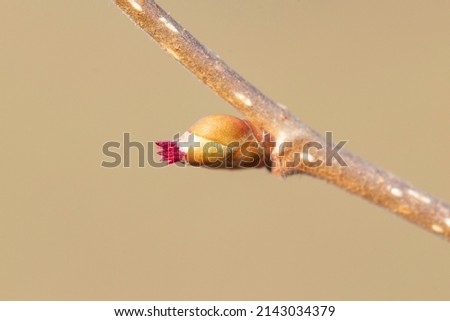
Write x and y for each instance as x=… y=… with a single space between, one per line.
x=75 y=74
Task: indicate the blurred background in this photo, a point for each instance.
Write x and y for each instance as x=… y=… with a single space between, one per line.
x=75 y=75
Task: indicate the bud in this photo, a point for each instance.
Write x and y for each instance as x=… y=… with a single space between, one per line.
x=217 y=141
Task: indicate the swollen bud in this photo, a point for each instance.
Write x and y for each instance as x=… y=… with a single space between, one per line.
x=218 y=141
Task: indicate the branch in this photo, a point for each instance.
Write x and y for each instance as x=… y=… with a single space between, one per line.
x=358 y=177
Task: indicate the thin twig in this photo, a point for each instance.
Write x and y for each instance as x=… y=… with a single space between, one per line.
x=358 y=177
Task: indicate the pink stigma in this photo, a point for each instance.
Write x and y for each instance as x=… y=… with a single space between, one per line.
x=170 y=151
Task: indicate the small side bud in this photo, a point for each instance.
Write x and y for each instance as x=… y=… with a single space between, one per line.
x=221 y=141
